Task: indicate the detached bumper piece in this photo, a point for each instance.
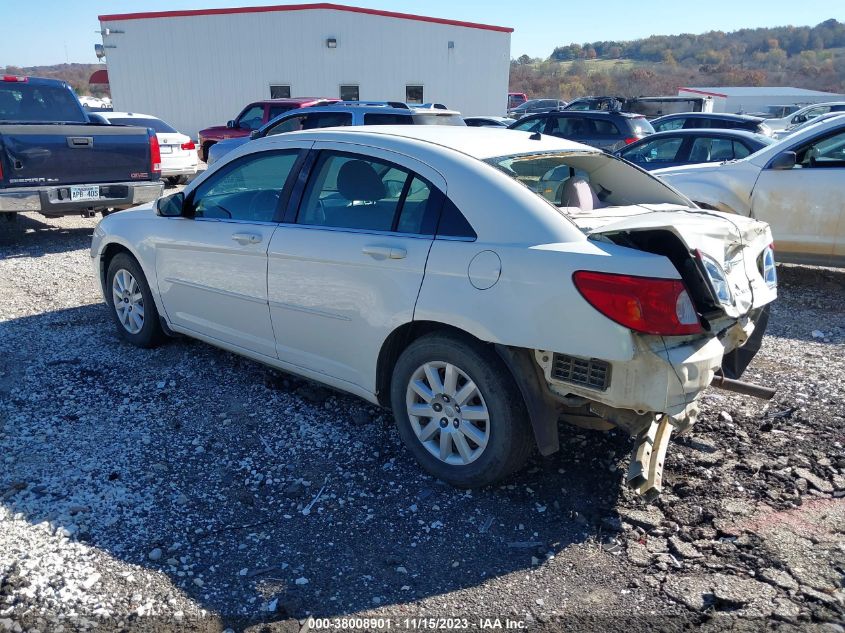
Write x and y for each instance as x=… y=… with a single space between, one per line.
x=645 y=472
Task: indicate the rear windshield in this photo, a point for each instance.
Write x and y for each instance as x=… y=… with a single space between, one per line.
x=159 y=126
x=641 y=126
x=20 y=101
x=438 y=119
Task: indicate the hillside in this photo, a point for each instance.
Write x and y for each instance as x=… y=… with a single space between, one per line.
x=75 y=74
x=805 y=57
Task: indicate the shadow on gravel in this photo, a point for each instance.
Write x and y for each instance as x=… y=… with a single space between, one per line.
x=259 y=495
x=33 y=236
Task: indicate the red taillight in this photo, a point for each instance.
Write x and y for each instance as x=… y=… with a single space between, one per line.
x=643 y=304
x=17 y=78
x=155 y=155
x=189 y=145
x=630 y=140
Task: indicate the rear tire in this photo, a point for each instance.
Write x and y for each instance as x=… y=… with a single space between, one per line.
x=449 y=385
x=131 y=302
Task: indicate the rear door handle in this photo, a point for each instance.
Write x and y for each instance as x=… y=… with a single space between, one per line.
x=80 y=141
x=384 y=252
x=246 y=238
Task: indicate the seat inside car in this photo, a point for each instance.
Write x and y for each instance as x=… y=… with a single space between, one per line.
x=361 y=199
x=579 y=193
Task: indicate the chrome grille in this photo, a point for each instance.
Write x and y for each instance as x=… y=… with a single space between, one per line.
x=586 y=372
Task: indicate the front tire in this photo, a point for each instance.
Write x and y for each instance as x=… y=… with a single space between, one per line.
x=459 y=411
x=131 y=303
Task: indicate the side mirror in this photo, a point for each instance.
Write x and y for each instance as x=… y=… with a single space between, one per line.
x=230 y=124
x=171 y=206
x=784 y=160
x=253 y=135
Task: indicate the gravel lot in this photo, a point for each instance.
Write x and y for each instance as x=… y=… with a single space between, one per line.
x=185 y=487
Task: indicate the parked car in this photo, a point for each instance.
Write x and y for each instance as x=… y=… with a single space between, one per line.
x=684 y=147
x=775 y=111
x=488 y=121
x=710 y=120
x=647 y=106
x=797 y=185
x=344 y=113
x=516 y=98
x=535 y=106
x=418 y=268
x=252 y=117
x=55 y=161
x=606 y=130
x=782 y=134
x=178 y=151
x=805 y=114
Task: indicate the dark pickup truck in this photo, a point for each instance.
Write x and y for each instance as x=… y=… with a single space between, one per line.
x=55 y=161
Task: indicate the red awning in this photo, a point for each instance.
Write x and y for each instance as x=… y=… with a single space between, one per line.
x=99 y=77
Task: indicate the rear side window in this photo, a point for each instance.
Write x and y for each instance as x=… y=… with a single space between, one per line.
x=438 y=119
x=603 y=127
x=276 y=110
x=453 y=223
x=21 y=101
x=385 y=118
x=530 y=125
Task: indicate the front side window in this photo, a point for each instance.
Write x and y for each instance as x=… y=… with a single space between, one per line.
x=530 y=125
x=279 y=91
x=349 y=93
x=251 y=118
x=358 y=192
x=249 y=190
x=826 y=152
x=671 y=124
x=661 y=150
x=414 y=94
x=570 y=127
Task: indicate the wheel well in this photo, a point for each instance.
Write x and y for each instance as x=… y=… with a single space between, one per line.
x=397 y=341
x=108 y=254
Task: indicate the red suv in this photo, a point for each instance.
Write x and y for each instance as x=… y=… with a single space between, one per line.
x=251 y=118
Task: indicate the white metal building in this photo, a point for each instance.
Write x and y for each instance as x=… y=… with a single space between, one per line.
x=200 y=68
x=757 y=98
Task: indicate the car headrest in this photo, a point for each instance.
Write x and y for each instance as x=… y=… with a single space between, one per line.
x=358 y=181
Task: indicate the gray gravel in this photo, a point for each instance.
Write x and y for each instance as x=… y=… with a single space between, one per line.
x=185 y=487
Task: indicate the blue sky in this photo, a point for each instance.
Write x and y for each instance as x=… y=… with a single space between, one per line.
x=39 y=32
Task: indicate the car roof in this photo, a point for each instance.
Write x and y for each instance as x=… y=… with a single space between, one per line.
x=38 y=81
x=293 y=100
x=724 y=116
x=591 y=113
x=478 y=142
x=708 y=131
x=111 y=114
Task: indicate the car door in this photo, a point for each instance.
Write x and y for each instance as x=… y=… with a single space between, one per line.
x=212 y=265
x=346 y=271
x=804 y=204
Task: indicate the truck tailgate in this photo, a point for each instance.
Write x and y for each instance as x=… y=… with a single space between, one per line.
x=50 y=154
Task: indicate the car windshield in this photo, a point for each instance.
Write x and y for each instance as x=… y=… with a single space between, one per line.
x=22 y=101
x=159 y=126
x=561 y=177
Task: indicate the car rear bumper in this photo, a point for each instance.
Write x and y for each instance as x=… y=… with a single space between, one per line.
x=56 y=200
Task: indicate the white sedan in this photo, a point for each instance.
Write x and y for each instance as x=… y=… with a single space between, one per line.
x=179 y=158
x=797 y=185
x=482 y=283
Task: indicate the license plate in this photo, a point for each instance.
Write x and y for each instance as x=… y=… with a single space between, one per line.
x=166 y=149
x=85 y=193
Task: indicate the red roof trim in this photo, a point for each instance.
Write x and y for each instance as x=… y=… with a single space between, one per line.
x=704 y=92
x=299 y=7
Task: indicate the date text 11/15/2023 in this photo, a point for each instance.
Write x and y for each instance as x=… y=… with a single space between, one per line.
x=414 y=623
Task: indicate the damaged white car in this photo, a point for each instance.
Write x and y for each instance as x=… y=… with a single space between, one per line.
x=482 y=283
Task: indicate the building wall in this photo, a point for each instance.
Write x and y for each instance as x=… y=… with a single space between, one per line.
x=197 y=71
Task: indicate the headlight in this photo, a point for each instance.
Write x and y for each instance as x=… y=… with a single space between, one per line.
x=718 y=279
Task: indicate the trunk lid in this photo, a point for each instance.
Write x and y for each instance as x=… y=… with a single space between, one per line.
x=51 y=154
x=735 y=243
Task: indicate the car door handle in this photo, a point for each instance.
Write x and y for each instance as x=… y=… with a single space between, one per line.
x=384 y=252
x=246 y=238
